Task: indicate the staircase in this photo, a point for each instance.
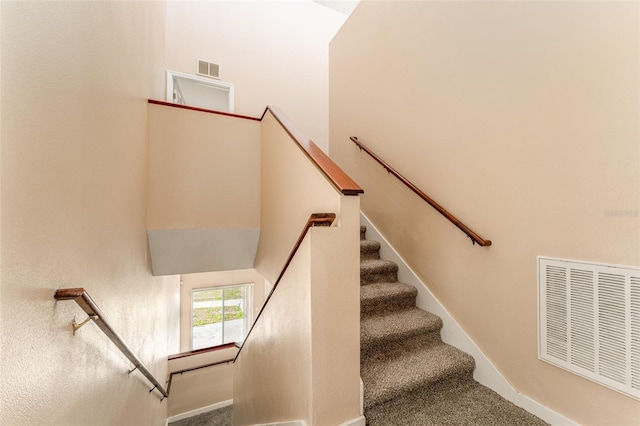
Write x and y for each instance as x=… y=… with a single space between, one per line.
x=410 y=376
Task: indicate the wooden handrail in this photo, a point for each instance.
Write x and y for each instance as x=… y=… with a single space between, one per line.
x=210 y=111
x=198 y=367
x=338 y=178
x=332 y=172
x=475 y=238
x=186 y=370
x=82 y=298
x=316 y=219
x=202 y=351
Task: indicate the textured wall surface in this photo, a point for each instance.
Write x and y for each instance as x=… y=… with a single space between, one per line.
x=202 y=387
x=204 y=170
x=204 y=191
x=522 y=119
x=292 y=189
x=307 y=338
x=75 y=79
x=272 y=375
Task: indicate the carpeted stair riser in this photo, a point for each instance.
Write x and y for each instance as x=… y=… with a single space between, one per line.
x=383 y=330
x=369 y=249
x=472 y=402
x=384 y=298
x=388 y=373
x=423 y=395
x=377 y=270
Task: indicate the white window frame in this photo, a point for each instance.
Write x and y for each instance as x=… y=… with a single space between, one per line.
x=202 y=80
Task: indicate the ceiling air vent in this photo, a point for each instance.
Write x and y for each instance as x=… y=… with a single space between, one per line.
x=208 y=69
x=589 y=321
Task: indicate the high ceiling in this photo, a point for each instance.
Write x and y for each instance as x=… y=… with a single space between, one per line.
x=342 y=6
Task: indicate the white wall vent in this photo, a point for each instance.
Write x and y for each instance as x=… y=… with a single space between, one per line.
x=589 y=321
x=208 y=69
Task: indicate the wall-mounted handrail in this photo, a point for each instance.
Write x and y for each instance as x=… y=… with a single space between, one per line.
x=198 y=367
x=210 y=111
x=338 y=178
x=316 y=219
x=187 y=370
x=475 y=238
x=331 y=171
x=203 y=351
x=82 y=298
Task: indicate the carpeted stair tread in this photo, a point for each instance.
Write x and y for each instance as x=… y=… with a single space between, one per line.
x=378 y=270
x=380 y=298
x=391 y=373
x=369 y=249
x=468 y=403
x=376 y=330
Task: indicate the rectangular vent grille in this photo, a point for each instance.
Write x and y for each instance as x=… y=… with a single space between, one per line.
x=589 y=321
x=208 y=69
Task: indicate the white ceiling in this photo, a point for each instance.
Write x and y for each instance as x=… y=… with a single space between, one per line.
x=343 y=6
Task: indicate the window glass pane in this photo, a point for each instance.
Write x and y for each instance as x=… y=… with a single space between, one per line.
x=207 y=318
x=234 y=313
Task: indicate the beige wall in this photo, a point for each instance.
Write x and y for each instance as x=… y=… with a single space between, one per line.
x=301 y=361
x=292 y=189
x=203 y=387
x=75 y=79
x=204 y=191
x=521 y=118
x=272 y=375
x=307 y=337
x=335 y=318
x=190 y=282
x=274 y=52
x=204 y=170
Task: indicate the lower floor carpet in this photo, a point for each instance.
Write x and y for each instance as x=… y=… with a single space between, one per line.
x=220 y=417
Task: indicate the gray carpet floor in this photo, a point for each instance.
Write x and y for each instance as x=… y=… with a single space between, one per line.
x=220 y=417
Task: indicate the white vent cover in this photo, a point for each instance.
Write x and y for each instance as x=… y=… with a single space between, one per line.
x=589 y=321
x=208 y=69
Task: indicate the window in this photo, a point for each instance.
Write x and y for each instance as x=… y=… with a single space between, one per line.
x=220 y=315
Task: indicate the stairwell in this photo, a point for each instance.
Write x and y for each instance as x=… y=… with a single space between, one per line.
x=410 y=376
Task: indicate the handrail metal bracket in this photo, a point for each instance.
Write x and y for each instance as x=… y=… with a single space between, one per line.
x=82 y=298
x=75 y=326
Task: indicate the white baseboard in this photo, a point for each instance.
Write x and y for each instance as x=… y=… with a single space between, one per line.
x=358 y=421
x=206 y=409
x=485 y=373
x=545 y=413
x=361 y=397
